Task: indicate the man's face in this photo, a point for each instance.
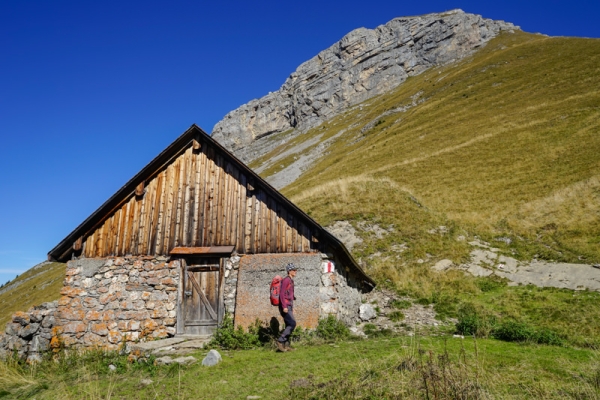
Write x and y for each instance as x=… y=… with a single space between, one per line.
x=293 y=273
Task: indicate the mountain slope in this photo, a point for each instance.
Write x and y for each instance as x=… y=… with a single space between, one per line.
x=504 y=143
x=364 y=63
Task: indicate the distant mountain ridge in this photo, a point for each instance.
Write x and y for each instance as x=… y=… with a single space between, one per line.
x=363 y=64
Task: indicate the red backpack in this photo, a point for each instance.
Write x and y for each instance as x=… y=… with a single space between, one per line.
x=275 y=288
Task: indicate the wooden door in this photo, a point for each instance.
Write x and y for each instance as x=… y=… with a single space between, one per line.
x=201 y=301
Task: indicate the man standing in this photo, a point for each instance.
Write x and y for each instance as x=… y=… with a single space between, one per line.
x=286 y=308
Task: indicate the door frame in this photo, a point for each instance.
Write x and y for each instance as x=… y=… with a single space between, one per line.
x=187 y=256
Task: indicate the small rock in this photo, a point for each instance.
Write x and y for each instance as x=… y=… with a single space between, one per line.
x=146 y=382
x=166 y=360
x=458 y=336
x=253 y=397
x=442 y=265
x=185 y=360
x=112 y=368
x=212 y=358
x=366 y=312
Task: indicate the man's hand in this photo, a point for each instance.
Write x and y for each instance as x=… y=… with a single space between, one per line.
x=285 y=310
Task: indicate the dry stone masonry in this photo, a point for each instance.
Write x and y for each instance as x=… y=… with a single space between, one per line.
x=117 y=303
x=363 y=64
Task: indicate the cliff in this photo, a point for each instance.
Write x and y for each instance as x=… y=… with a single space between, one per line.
x=363 y=64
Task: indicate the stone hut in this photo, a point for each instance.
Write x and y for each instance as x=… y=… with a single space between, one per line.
x=194 y=235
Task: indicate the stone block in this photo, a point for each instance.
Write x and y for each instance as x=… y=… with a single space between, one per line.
x=114 y=336
x=168 y=282
x=72 y=291
x=71 y=314
x=119 y=261
x=135 y=325
x=39 y=344
x=149 y=324
x=90 y=302
x=108 y=315
x=27 y=331
x=159 y=313
x=107 y=298
x=74 y=327
x=72 y=271
x=159 y=296
x=169 y=321
x=91 y=340
x=100 y=329
x=49 y=321
x=21 y=318
x=160 y=333
x=152 y=281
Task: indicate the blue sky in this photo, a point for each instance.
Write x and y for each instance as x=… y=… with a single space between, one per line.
x=90 y=92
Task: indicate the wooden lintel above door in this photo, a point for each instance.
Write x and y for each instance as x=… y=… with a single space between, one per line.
x=221 y=250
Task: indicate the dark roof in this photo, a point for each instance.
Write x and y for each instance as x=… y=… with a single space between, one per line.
x=64 y=249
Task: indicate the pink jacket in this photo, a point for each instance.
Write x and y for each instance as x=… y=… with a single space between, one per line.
x=286 y=293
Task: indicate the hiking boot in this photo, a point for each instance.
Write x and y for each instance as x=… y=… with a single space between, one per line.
x=281 y=346
x=289 y=347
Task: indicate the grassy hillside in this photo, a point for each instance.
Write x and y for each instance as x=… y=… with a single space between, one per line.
x=38 y=285
x=502 y=146
x=504 y=143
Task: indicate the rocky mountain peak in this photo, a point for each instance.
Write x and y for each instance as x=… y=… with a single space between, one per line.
x=363 y=64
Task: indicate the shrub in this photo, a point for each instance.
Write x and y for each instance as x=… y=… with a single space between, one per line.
x=401 y=304
x=332 y=329
x=396 y=316
x=372 y=331
x=513 y=331
x=474 y=321
x=490 y=284
x=228 y=337
x=516 y=331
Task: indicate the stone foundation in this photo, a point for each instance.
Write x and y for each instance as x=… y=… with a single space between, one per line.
x=114 y=302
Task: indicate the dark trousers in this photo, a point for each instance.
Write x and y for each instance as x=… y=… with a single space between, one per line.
x=290 y=324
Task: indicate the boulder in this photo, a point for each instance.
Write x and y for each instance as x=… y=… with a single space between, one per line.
x=366 y=312
x=212 y=358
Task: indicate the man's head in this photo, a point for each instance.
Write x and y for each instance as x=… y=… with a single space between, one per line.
x=291 y=269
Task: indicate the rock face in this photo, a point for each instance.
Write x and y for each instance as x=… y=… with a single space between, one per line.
x=363 y=64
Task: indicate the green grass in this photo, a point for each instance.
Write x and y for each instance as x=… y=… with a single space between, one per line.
x=504 y=144
x=38 y=286
x=391 y=367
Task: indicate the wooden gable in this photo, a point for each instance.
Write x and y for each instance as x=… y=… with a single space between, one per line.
x=197 y=194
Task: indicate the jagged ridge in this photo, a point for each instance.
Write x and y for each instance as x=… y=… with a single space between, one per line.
x=363 y=64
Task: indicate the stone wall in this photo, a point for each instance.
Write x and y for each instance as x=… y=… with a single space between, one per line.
x=232 y=265
x=115 y=301
x=339 y=293
x=318 y=294
x=30 y=333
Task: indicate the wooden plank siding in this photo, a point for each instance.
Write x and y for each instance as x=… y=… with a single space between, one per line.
x=200 y=199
